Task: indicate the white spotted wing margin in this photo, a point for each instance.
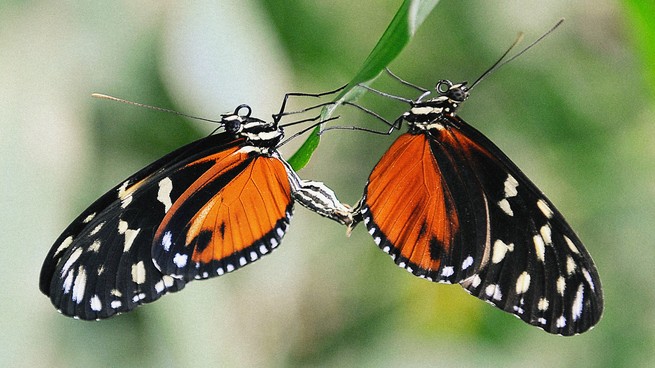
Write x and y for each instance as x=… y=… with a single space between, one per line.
x=102 y=264
x=504 y=241
x=536 y=266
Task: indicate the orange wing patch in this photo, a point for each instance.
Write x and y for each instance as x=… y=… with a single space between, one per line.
x=410 y=204
x=242 y=212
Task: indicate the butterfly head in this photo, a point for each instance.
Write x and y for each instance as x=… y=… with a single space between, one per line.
x=257 y=132
x=455 y=94
x=429 y=113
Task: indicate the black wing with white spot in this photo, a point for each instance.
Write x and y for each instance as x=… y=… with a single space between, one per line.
x=534 y=266
x=102 y=263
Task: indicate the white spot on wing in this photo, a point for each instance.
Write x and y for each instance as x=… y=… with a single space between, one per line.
x=122 y=226
x=545 y=209
x=523 y=283
x=130 y=235
x=122 y=190
x=242 y=261
x=126 y=201
x=68 y=283
x=576 y=308
x=570 y=265
x=504 y=205
x=493 y=291
x=95 y=246
x=166 y=241
x=96 y=229
x=95 y=303
x=71 y=260
x=467 y=262
x=539 y=247
x=88 y=218
x=561 y=285
x=168 y=280
x=500 y=249
x=64 y=244
x=561 y=322
x=164 y=193
x=572 y=246
x=139 y=273
x=180 y=260
x=115 y=304
x=543 y=304
x=510 y=187
x=447 y=271
x=546 y=234
x=476 y=281
x=79 y=285
x=587 y=277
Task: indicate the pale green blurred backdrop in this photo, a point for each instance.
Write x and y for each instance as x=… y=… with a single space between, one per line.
x=576 y=113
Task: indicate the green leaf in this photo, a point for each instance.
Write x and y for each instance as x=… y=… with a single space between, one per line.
x=403 y=26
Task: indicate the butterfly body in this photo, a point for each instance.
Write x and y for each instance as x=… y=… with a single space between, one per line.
x=449 y=206
x=203 y=210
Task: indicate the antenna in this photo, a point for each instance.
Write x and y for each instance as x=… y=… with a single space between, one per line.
x=116 y=99
x=500 y=61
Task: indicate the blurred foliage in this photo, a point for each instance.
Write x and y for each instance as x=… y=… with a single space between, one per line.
x=574 y=113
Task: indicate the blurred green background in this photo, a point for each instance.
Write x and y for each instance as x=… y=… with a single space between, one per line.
x=576 y=113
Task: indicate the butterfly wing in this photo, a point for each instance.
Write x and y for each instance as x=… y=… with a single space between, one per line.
x=103 y=262
x=236 y=212
x=449 y=206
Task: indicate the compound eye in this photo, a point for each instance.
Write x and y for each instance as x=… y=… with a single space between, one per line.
x=457 y=94
x=232 y=126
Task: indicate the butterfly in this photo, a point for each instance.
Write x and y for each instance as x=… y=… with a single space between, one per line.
x=203 y=210
x=449 y=206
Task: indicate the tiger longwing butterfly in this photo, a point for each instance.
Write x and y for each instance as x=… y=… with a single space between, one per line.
x=203 y=210
x=449 y=206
